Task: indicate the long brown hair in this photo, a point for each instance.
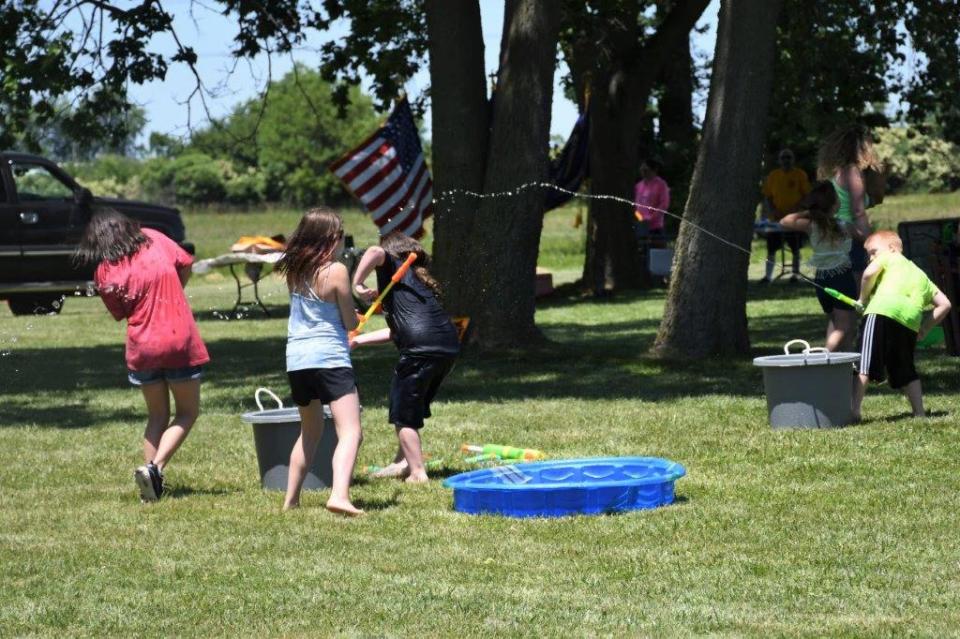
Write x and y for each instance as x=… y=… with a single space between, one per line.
x=852 y=145
x=109 y=236
x=312 y=245
x=399 y=246
x=819 y=205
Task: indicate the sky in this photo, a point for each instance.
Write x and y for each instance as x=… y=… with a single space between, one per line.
x=211 y=36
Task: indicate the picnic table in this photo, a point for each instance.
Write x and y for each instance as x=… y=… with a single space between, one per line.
x=765 y=228
x=252 y=268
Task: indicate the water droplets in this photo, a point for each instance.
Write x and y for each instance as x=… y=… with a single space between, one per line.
x=452 y=194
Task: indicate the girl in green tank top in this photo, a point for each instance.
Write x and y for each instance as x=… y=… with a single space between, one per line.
x=831 y=248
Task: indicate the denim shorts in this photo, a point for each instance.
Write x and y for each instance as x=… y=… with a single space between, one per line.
x=170 y=375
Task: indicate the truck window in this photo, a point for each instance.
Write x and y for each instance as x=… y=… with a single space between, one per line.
x=35 y=183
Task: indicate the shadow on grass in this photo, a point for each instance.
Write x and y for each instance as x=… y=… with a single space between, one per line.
x=369 y=504
x=574 y=293
x=179 y=492
x=15 y=413
x=899 y=417
x=590 y=362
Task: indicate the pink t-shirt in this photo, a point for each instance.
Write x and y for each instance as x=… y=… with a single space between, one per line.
x=651 y=192
x=145 y=289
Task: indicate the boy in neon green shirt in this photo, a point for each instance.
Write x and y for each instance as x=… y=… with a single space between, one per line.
x=894 y=292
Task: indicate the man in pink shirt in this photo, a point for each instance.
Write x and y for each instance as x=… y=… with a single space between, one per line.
x=651 y=196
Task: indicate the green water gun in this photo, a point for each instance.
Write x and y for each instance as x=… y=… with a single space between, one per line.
x=837 y=295
x=504 y=452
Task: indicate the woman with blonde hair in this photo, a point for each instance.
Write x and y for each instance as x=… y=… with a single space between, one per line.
x=844 y=157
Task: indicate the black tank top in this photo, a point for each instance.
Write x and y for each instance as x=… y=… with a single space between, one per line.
x=419 y=324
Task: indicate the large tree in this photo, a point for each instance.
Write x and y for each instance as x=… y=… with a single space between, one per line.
x=616 y=51
x=706 y=306
x=485 y=245
x=486 y=249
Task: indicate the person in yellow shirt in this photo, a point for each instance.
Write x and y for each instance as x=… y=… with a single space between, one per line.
x=783 y=189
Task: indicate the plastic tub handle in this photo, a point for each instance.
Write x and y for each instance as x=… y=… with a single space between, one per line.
x=256 y=397
x=806 y=345
x=816 y=349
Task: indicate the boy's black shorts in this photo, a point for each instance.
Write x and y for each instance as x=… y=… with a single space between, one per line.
x=325 y=384
x=886 y=350
x=416 y=380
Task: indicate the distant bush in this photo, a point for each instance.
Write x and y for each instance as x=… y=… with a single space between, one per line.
x=918 y=162
x=198 y=179
x=157 y=179
x=109 y=176
x=110 y=187
x=292 y=139
x=249 y=187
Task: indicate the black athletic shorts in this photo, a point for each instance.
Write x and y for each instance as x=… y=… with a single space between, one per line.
x=775 y=241
x=325 y=384
x=844 y=281
x=416 y=380
x=858 y=256
x=886 y=351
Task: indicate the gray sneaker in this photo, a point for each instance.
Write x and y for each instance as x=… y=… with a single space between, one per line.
x=150 y=482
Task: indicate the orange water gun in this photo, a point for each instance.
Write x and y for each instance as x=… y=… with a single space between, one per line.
x=383 y=294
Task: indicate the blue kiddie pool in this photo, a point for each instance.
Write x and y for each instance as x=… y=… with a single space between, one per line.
x=563 y=487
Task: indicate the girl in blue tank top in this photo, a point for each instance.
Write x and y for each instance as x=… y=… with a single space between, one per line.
x=318 y=354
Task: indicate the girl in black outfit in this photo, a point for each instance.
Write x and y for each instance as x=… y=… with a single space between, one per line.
x=424 y=335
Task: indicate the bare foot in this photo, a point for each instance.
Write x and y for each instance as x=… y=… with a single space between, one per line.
x=292 y=506
x=396 y=469
x=417 y=478
x=343 y=507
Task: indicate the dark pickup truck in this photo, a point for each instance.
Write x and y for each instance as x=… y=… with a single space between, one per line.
x=42 y=213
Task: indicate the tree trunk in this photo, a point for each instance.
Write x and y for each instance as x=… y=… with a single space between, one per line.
x=461 y=129
x=612 y=260
x=705 y=313
x=504 y=249
x=618 y=105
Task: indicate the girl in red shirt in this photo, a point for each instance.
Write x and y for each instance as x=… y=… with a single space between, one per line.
x=140 y=276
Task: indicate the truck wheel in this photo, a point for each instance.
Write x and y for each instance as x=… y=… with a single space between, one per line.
x=36 y=304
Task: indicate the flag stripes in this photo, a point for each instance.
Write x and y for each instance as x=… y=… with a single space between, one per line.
x=387 y=172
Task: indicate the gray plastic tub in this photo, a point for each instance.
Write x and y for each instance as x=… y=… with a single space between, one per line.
x=275 y=431
x=810 y=389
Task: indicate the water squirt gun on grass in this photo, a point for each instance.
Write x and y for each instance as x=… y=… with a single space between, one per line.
x=401 y=271
x=504 y=452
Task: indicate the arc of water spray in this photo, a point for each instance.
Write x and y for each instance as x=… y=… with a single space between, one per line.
x=615 y=198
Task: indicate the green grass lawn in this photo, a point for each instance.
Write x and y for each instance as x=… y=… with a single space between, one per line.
x=849 y=532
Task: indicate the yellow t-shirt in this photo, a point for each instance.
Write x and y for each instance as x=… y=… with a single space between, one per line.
x=786 y=188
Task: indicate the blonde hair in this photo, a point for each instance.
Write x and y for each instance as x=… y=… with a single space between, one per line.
x=844 y=147
x=891 y=238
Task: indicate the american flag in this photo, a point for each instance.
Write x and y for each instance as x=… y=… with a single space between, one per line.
x=388 y=174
